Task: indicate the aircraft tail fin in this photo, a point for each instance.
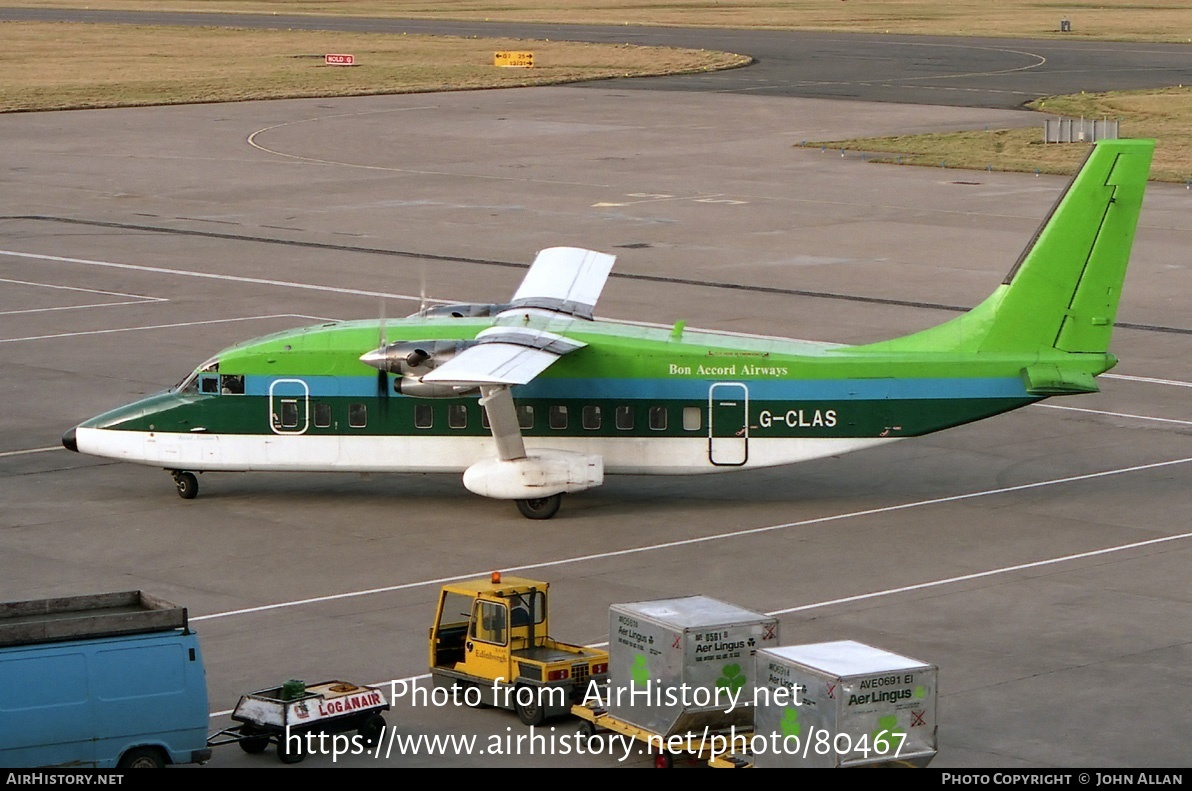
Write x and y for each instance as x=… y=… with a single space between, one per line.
x=1063 y=291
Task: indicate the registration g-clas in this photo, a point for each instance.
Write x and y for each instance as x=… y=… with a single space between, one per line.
x=798 y=418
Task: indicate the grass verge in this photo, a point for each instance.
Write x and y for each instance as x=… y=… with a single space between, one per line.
x=56 y=66
x=1160 y=114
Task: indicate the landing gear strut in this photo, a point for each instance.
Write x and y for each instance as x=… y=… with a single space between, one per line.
x=187 y=483
x=540 y=507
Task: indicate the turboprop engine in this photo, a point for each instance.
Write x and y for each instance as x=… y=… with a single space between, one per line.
x=412 y=360
x=460 y=311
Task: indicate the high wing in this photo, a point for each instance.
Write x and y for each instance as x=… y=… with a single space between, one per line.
x=503 y=356
x=563 y=282
x=566 y=280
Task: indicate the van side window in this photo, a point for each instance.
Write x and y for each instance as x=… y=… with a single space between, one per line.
x=159 y=672
x=25 y=684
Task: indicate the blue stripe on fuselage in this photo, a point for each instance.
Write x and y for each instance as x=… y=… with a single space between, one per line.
x=689 y=389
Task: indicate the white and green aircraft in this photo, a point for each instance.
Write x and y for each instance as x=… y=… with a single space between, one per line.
x=535 y=398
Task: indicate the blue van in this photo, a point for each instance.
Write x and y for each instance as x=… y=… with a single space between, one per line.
x=107 y=681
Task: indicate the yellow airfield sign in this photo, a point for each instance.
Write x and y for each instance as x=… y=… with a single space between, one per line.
x=521 y=60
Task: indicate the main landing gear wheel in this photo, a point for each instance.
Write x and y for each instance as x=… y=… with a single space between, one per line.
x=540 y=507
x=187 y=483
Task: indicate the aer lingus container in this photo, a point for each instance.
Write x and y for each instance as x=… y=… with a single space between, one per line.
x=680 y=665
x=856 y=706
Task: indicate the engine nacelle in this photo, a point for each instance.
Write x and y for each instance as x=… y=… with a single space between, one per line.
x=460 y=311
x=416 y=388
x=546 y=473
x=413 y=358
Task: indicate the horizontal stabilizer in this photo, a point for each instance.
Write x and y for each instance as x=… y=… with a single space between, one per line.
x=1049 y=380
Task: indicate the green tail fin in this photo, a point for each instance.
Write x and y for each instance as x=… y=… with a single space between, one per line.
x=1063 y=291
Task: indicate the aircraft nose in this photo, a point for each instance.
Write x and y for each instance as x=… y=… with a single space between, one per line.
x=68 y=441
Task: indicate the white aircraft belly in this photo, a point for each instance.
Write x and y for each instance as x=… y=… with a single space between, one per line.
x=437 y=453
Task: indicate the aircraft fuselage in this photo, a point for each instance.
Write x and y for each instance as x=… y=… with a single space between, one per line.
x=641 y=398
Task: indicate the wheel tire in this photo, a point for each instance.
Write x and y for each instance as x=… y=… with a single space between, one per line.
x=540 y=507
x=532 y=713
x=372 y=729
x=285 y=754
x=586 y=731
x=142 y=758
x=188 y=485
x=252 y=742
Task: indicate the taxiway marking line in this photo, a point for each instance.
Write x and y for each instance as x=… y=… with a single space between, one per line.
x=160 y=327
x=30 y=450
x=1115 y=414
x=1148 y=379
x=260 y=281
x=133 y=299
x=715 y=537
x=804 y=607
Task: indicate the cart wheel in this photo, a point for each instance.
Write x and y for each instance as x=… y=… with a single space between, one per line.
x=290 y=753
x=372 y=728
x=664 y=760
x=586 y=731
x=252 y=742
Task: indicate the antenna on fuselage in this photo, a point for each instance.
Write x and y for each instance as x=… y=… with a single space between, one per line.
x=422 y=291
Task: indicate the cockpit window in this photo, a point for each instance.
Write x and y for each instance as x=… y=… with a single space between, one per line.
x=190 y=384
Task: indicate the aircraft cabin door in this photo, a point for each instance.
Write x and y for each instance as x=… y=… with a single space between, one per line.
x=289 y=406
x=728 y=424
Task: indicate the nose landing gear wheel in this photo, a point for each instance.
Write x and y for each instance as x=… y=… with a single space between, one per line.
x=187 y=483
x=540 y=507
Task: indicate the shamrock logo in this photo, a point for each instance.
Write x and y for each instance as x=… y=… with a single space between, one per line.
x=733 y=679
x=886 y=727
x=639 y=671
x=789 y=725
